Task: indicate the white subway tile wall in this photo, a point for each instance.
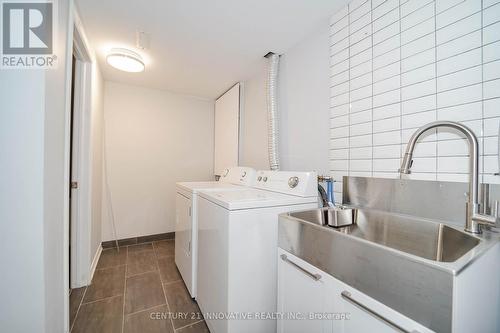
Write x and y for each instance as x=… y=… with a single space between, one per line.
x=399 y=64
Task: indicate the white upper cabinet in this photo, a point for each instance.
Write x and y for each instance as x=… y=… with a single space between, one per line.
x=227 y=123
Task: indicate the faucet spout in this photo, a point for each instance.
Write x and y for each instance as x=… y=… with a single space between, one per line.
x=474 y=219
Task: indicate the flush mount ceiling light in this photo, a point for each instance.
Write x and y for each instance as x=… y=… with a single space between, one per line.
x=125 y=60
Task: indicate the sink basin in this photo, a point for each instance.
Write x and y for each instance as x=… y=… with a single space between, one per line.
x=429 y=240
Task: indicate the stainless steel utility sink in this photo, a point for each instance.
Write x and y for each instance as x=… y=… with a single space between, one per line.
x=429 y=240
x=407 y=263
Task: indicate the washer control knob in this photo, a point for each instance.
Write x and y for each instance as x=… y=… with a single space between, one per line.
x=265 y=179
x=259 y=178
x=293 y=182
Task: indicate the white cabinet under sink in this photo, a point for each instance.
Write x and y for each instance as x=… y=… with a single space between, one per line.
x=305 y=292
x=301 y=293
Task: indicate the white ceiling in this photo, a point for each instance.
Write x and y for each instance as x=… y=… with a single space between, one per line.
x=199 y=47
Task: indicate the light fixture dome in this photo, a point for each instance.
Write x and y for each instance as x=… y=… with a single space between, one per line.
x=125 y=60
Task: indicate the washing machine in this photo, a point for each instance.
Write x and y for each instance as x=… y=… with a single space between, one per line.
x=186 y=218
x=237 y=249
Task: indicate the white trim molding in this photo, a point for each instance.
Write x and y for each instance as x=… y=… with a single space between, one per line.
x=81 y=256
x=93 y=267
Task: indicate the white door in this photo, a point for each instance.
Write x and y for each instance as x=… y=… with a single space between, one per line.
x=227 y=123
x=302 y=291
x=183 y=235
x=362 y=321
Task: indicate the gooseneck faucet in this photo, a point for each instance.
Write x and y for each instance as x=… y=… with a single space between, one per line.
x=327 y=197
x=474 y=219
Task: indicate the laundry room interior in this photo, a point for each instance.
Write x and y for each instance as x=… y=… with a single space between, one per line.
x=235 y=166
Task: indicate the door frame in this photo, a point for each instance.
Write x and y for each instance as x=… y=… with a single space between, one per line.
x=81 y=209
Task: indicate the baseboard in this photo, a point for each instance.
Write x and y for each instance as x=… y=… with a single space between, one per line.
x=139 y=240
x=94 y=263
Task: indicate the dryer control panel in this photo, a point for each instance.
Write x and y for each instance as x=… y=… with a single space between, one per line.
x=302 y=184
x=238 y=176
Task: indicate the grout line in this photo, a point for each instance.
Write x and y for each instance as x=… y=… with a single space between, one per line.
x=364 y=26
x=101 y=299
x=371 y=115
x=395 y=144
x=420 y=37
x=436 y=109
x=417 y=97
x=110 y=267
x=416 y=83
x=436 y=132
x=165 y=296
x=446 y=9
x=482 y=92
x=124 y=293
x=142 y=273
x=78 y=310
x=388 y=24
x=172 y=282
x=406 y=129
x=189 y=325
x=415 y=10
x=144 y=310
x=350 y=82
x=355 y=9
x=400 y=91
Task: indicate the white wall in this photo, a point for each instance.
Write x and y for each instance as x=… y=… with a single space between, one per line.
x=396 y=66
x=303 y=106
x=33 y=197
x=154 y=139
x=21 y=200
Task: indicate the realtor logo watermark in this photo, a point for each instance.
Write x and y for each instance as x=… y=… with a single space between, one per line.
x=28 y=29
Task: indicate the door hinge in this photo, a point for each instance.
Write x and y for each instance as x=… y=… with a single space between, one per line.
x=189 y=211
x=74 y=185
x=189 y=247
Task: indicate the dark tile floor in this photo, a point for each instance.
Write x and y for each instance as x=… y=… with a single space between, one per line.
x=136 y=289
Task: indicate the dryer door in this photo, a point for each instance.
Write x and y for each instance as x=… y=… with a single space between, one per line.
x=183 y=238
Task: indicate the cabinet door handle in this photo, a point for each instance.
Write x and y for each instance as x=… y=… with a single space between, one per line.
x=348 y=297
x=313 y=276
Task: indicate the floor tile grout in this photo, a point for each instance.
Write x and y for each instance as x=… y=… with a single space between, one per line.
x=101 y=299
x=78 y=310
x=124 y=292
x=142 y=273
x=165 y=296
x=189 y=325
x=110 y=267
x=155 y=249
x=170 y=282
x=144 y=310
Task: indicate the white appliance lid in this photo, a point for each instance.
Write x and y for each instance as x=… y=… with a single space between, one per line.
x=194 y=187
x=253 y=198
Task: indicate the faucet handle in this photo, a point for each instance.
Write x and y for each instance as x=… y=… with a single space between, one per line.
x=492 y=220
x=496 y=211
